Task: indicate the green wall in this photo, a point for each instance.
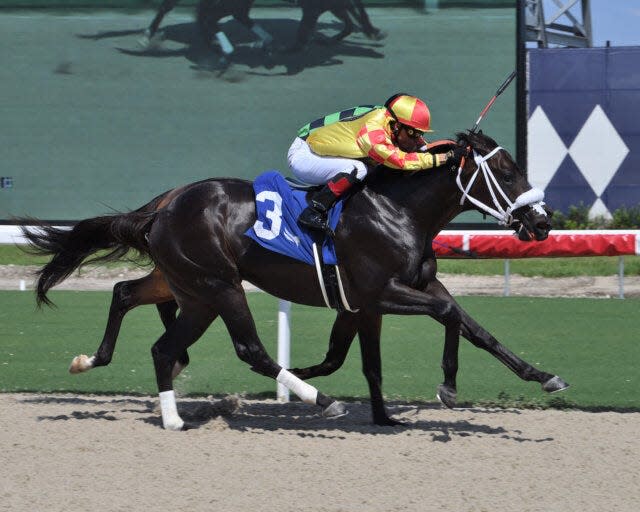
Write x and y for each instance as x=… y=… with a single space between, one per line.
x=90 y=123
x=258 y=3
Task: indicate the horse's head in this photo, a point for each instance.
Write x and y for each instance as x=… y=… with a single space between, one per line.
x=490 y=179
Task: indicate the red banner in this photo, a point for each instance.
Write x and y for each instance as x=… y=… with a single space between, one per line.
x=504 y=244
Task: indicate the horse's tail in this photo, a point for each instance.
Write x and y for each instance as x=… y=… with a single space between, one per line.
x=116 y=234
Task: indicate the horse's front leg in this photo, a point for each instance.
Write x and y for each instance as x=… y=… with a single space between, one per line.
x=436 y=302
x=342 y=334
x=369 y=334
x=447 y=391
x=151 y=289
x=474 y=332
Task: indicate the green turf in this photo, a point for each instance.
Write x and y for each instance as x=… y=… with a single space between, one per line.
x=589 y=342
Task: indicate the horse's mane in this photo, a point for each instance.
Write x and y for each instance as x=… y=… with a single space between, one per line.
x=477 y=140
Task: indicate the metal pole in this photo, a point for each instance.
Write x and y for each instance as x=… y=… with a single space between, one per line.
x=507 y=275
x=284 y=344
x=621 y=277
x=521 y=86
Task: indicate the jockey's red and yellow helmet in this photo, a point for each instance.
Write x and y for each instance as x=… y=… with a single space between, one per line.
x=410 y=111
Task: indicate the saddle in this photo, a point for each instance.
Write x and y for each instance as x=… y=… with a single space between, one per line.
x=296 y=184
x=279 y=202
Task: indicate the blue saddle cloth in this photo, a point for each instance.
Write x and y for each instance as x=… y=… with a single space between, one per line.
x=276 y=227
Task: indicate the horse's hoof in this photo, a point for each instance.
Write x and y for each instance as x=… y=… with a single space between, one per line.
x=554 y=384
x=151 y=42
x=334 y=410
x=81 y=363
x=378 y=35
x=447 y=396
x=176 y=425
x=144 y=42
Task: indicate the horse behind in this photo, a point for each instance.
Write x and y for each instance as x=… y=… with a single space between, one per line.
x=195 y=237
x=351 y=12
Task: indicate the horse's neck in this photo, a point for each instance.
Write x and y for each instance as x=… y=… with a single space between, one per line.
x=431 y=198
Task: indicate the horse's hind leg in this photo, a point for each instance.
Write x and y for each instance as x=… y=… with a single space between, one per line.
x=191 y=323
x=167 y=311
x=151 y=38
x=234 y=310
x=343 y=16
x=165 y=7
x=151 y=289
x=359 y=13
x=307 y=26
x=342 y=334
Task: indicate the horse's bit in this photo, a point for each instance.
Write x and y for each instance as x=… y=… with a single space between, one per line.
x=533 y=197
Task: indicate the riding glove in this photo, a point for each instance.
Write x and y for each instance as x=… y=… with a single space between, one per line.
x=454 y=156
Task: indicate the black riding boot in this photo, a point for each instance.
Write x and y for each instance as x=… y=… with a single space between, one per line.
x=320 y=202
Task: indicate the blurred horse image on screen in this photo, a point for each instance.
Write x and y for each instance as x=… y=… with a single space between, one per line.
x=195 y=237
x=351 y=12
x=208 y=14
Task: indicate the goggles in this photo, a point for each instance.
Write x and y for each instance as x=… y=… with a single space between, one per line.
x=412 y=132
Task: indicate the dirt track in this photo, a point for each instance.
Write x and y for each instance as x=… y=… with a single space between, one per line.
x=68 y=453
x=78 y=453
x=584 y=286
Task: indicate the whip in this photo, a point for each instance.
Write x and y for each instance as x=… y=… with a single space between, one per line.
x=500 y=90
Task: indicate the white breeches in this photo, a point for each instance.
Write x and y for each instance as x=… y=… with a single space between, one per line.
x=318 y=170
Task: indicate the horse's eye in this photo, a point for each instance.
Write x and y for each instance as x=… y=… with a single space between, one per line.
x=508 y=178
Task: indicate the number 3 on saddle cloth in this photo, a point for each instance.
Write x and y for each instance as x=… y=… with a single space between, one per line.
x=276 y=229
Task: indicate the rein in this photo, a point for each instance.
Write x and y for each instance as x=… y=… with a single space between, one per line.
x=532 y=197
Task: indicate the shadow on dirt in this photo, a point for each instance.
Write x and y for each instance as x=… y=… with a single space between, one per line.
x=293 y=418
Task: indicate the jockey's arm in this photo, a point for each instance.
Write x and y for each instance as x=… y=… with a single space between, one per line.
x=378 y=146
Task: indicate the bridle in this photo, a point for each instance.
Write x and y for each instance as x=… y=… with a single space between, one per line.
x=532 y=197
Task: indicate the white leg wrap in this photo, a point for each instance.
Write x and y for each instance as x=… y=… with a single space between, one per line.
x=261 y=33
x=225 y=44
x=170 y=418
x=306 y=392
x=81 y=364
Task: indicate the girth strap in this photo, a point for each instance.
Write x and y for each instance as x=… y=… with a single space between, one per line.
x=330 y=284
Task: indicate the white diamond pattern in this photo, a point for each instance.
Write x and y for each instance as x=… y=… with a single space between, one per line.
x=545 y=149
x=599 y=208
x=598 y=150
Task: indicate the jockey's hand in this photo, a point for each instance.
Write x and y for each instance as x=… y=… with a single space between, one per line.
x=455 y=156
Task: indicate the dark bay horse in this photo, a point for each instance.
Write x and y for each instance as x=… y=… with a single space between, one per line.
x=194 y=235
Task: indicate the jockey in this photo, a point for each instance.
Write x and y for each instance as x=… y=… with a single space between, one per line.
x=336 y=150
